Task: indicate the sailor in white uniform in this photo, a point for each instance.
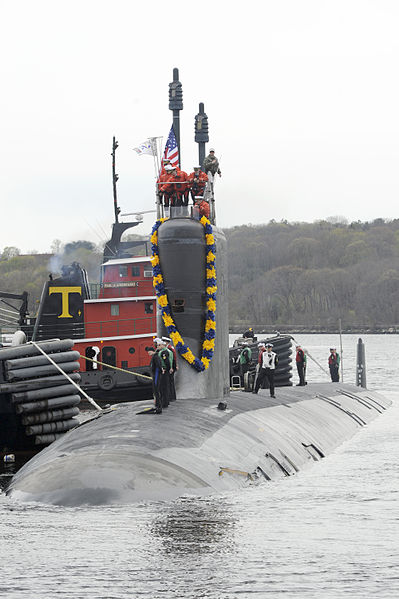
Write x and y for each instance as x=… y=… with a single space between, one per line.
x=269 y=363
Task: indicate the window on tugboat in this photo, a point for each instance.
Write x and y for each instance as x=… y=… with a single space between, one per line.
x=135 y=271
x=148 y=308
x=114 y=309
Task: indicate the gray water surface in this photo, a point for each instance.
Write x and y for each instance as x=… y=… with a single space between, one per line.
x=329 y=531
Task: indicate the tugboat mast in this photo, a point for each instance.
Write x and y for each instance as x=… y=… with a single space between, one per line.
x=115 y=248
x=115 y=178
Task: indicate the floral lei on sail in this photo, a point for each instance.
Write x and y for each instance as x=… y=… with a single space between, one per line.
x=208 y=345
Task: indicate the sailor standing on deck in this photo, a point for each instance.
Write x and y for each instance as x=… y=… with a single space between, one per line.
x=301 y=365
x=244 y=359
x=172 y=390
x=248 y=334
x=156 y=368
x=166 y=358
x=333 y=364
x=261 y=349
x=269 y=363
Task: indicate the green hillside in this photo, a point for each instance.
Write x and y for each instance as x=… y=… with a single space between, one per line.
x=313 y=274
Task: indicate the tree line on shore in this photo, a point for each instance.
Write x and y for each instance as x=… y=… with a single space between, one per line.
x=315 y=273
x=307 y=274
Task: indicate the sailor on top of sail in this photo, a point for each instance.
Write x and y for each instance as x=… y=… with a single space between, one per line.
x=211 y=164
x=175 y=187
x=197 y=181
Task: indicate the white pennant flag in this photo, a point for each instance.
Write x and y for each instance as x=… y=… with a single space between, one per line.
x=146 y=147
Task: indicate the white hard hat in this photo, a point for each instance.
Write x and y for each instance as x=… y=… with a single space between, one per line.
x=168 y=167
x=212 y=150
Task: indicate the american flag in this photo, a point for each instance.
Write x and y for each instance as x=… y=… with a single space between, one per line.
x=171 y=149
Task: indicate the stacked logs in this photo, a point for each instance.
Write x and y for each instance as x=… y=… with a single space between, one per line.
x=43 y=398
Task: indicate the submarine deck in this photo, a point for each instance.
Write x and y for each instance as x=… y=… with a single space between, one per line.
x=193 y=447
x=193 y=420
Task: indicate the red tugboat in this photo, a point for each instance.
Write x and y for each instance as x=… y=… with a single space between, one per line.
x=118 y=327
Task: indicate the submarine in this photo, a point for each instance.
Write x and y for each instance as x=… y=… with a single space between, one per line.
x=211 y=439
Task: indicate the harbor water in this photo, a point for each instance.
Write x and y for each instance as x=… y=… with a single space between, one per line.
x=330 y=531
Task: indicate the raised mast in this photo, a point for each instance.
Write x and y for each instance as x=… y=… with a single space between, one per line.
x=115 y=248
x=115 y=178
x=201 y=132
x=176 y=104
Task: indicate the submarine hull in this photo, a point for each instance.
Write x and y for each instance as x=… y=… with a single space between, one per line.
x=195 y=448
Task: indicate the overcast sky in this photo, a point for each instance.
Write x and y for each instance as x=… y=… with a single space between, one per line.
x=302 y=99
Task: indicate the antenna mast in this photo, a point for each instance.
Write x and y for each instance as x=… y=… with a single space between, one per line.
x=176 y=104
x=115 y=178
x=201 y=132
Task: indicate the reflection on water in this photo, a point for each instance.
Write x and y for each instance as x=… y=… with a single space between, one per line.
x=193 y=526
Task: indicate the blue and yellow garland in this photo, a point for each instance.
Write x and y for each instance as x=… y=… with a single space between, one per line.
x=208 y=345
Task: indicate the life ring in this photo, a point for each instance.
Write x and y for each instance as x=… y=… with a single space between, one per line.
x=106 y=381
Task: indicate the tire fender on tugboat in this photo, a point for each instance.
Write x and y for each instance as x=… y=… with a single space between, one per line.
x=106 y=381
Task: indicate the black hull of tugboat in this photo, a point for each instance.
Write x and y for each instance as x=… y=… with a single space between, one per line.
x=107 y=386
